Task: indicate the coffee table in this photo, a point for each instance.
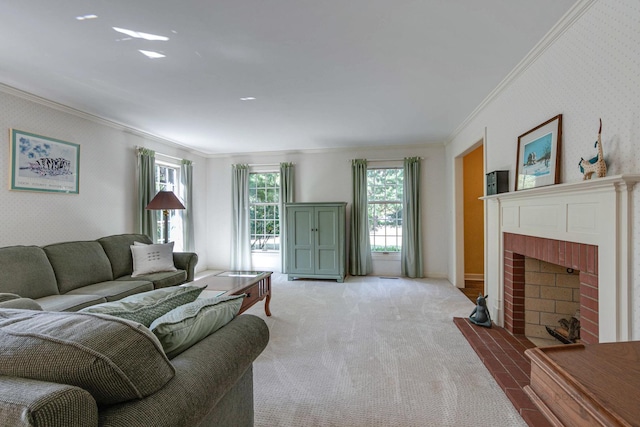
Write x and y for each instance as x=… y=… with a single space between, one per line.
x=255 y=284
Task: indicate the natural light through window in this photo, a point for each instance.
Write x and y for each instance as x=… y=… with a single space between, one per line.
x=168 y=178
x=384 y=196
x=264 y=211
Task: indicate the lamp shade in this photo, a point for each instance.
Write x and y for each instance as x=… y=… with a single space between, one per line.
x=165 y=200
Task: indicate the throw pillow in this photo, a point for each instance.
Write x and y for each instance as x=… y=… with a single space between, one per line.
x=145 y=307
x=184 y=326
x=152 y=258
x=113 y=359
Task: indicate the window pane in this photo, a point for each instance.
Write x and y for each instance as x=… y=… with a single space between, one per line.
x=384 y=189
x=264 y=191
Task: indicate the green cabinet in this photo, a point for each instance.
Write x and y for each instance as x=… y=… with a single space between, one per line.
x=316 y=240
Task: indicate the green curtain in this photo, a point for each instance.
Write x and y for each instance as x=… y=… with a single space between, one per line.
x=411 y=253
x=360 y=262
x=147 y=219
x=286 y=196
x=186 y=176
x=241 y=235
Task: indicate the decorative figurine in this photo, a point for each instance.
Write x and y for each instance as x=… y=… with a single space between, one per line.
x=596 y=164
x=480 y=315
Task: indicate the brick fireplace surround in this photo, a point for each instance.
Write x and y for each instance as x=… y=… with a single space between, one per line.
x=578 y=256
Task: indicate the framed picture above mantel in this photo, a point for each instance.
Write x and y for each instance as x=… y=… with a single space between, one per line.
x=538 y=161
x=40 y=163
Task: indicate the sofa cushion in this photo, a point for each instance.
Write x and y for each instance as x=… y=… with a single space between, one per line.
x=184 y=326
x=118 y=250
x=114 y=290
x=147 y=306
x=162 y=279
x=69 y=302
x=21 y=303
x=78 y=264
x=113 y=359
x=152 y=258
x=26 y=271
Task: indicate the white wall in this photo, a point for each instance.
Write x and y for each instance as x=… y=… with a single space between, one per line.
x=106 y=202
x=325 y=176
x=590 y=71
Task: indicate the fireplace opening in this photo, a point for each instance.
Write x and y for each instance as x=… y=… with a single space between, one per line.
x=551 y=260
x=551 y=303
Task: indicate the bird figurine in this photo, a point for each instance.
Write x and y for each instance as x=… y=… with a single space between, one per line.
x=595 y=164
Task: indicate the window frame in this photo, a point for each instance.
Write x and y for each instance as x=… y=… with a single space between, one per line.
x=397 y=237
x=174 y=215
x=275 y=216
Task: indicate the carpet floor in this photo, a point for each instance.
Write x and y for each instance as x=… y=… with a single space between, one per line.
x=372 y=352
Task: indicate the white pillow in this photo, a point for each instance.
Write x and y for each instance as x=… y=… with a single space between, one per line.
x=152 y=258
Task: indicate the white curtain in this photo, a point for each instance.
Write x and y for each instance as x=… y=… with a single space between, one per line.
x=241 y=236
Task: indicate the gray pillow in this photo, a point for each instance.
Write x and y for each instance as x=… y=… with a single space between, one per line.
x=145 y=307
x=184 y=326
x=113 y=359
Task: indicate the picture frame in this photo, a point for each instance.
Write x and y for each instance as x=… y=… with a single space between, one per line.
x=538 y=161
x=40 y=163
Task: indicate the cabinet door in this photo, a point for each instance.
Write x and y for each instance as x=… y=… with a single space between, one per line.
x=301 y=240
x=327 y=240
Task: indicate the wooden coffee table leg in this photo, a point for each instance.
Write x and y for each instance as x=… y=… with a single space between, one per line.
x=266 y=304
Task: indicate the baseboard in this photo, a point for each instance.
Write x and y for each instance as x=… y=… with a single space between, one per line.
x=475 y=277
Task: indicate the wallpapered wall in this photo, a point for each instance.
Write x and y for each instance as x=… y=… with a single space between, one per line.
x=590 y=71
x=106 y=201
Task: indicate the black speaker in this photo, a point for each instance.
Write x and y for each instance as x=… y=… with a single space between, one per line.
x=497 y=182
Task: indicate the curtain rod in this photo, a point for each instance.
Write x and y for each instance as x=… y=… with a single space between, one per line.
x=165 y=155
x=384 y=160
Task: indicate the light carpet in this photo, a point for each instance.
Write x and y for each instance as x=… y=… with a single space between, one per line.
x=372 y=352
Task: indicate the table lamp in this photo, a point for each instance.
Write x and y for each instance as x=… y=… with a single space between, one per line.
x=164 y=201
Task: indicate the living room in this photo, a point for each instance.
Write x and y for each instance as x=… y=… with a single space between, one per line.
x=585 y=68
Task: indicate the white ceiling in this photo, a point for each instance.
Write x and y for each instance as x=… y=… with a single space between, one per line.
x=325 y=73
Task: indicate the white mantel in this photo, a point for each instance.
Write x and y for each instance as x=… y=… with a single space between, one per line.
x=596 y=212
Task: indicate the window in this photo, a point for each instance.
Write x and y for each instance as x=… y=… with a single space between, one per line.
x=168 y=178
x=384 y=196
x=264 y=211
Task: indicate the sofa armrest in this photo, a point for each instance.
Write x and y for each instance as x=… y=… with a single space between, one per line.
x=204 y=374
x=25 y=402
x=186 y=261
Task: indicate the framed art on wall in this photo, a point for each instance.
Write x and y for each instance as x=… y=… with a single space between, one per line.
x=538 y=162
x=40 y=163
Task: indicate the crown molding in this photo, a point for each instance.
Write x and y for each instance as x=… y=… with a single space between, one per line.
x=569 y=18
x=96 y=119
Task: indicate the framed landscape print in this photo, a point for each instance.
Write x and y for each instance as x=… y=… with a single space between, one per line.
x=538 y=162
x=39 y=163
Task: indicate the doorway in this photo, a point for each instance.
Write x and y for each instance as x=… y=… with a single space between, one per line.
x=473 y=183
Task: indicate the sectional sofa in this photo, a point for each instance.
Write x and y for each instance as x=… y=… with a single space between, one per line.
x=69 y=276
x=130 y=380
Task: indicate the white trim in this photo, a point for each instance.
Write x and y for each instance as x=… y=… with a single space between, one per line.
x=475 y=277
x=569 y=18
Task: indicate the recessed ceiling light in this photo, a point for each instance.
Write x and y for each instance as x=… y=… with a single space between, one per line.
x=248 y=98
x=139 y=35
x=151 y=54
x=83 y=17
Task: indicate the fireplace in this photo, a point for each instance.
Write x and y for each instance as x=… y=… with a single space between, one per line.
x=577 y=256
x=585 y=226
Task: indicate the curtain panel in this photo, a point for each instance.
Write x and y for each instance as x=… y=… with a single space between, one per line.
x=241 y=236
x=287 y=192
x=360 y=260
x=147 y=219
x=411 y=252
x=188 y=234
